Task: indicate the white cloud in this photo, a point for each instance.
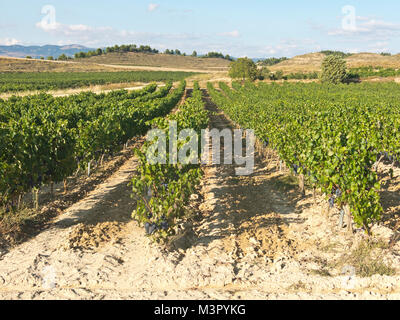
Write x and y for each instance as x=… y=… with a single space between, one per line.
x=226 y=42
x=232 y=34
x=152 y=7
x=369 y=28
x=8 y=41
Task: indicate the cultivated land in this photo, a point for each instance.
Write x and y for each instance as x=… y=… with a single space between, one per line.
x=161 y=61
x=253 y=237
x=117 y=62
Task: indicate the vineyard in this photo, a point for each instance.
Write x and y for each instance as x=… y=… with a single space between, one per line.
x=331 y=136
x=29 y=81
x=189 y=228
x=45 y=139
x=364 y=72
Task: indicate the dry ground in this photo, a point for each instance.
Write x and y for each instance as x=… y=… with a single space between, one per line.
x=252 y=237
x=161 y=61
x=34 y=65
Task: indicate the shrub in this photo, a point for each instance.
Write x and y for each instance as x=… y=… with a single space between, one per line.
x=333 y=69
x=243 y=68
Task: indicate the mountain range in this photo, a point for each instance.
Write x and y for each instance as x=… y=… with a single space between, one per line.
x=55 y=51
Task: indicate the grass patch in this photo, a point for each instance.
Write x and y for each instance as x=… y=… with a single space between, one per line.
x=321 y=272
x=331 y=247
x=299 y=286
x=367 y=259
x=15 y=223
x=286 y=182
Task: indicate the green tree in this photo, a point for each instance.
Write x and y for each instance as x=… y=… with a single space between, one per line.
x=243 y=68
x=50 y=58
x=62 y=57
x=264 y=73
x=333 y=69
x=194 y=54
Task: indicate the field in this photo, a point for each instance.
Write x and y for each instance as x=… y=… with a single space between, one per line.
x=84 y=214
x=34 y=65
x=15 y=82
x=160 y=60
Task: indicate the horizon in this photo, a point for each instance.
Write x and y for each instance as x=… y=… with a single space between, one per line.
x=236 y=29
x=200 y=54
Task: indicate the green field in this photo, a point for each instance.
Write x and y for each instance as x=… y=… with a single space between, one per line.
x=28 y=81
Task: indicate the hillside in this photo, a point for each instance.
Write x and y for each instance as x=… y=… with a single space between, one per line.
x=34 y=65
x=304 y=63
x=373 y=60
x=160 y=60
x=312 y=62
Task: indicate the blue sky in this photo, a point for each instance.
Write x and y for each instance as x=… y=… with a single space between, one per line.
x=253 y=28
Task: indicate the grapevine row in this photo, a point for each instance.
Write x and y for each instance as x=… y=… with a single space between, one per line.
x=331 y=135
x=28 y=81
x=163 y=190
x=46 y=139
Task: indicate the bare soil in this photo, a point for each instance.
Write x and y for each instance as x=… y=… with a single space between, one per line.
x=163 y=61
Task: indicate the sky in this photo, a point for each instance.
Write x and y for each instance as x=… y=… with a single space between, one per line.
x=252 y=28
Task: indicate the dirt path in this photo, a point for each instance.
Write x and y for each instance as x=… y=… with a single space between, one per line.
x=254 y=238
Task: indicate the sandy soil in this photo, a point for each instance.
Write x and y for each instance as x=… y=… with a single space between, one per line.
x=95 y=89
x=150 y=68
x=253 y=237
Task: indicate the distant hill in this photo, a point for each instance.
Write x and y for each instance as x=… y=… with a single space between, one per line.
x=19 y=51
x=311 y=62
x=159 y=60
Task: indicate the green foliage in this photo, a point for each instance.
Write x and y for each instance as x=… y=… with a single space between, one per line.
x=45 y=139
x=302 y=76
x=63 y=57
x=278 y=75
x=218 y=55
x=364 y=72
x=264 y=73
x=333 y=69
x=271 y=61
x=336 y=53
x=14 y=82
x=118 y=49
x=332 y=135
x=243 y=68
x=163 y=190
